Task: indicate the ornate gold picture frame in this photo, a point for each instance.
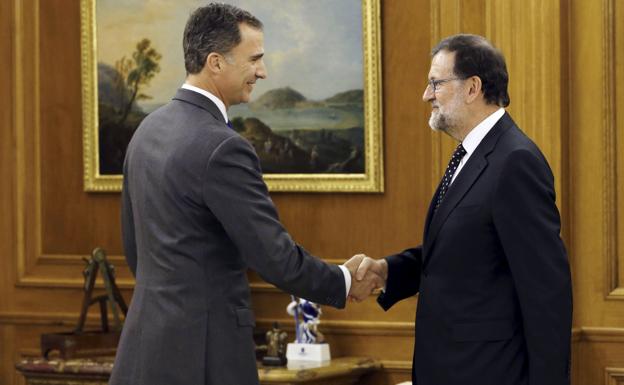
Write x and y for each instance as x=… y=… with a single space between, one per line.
x=314 y=135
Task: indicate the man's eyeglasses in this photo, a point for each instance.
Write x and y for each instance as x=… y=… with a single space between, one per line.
x=436 y=83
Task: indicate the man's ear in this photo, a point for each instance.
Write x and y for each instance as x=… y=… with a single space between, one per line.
x=475 y=90
x=214 y=62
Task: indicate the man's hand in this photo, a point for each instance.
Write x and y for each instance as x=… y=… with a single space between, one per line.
x=377 y=266
x=367 y=274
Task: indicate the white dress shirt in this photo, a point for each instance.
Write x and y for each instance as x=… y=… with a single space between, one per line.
x=210 y=96
x=474 y=137
x=221 y=106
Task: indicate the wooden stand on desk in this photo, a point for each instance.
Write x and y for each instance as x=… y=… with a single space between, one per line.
x=339 y=371
x=81 y=343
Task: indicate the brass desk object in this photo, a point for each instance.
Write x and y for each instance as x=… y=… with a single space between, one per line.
x=81 y=343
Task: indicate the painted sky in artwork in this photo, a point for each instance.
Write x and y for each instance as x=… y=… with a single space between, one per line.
x=314 y=47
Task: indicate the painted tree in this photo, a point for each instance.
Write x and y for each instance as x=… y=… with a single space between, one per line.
x=135 y=74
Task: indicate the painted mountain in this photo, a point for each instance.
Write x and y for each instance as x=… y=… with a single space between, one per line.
x=292 y=134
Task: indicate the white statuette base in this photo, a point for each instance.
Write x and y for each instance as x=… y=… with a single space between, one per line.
x=308 y=352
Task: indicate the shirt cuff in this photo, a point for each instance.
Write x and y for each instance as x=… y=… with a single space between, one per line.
x=347 y=277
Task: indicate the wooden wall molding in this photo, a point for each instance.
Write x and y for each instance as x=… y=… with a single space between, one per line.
x=592 y=334
x=44 y=271
x=47 y=319
x=348 y=327
x=576 y=335
x=34 y=281
x=116 y=260
x=602 y=334
x=614 y=376
x=26 y=122
x=124 y=279
x=330 y=326
x=614 y=290
x=582 y=334
x=35 y=268
x=579 y=334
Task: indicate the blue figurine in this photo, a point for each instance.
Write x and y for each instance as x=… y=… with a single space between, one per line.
x=306 y=329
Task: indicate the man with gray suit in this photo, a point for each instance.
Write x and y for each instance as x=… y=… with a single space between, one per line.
x=196 y=214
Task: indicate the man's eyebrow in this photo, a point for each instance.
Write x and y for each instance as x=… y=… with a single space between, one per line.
x=257 y=56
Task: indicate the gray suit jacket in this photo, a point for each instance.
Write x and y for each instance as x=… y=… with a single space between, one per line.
x=195 y=215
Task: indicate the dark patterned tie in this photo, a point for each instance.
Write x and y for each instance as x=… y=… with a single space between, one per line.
x=458 y=154
x=229 y=124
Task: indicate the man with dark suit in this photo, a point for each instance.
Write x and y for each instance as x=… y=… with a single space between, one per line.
x=196 y=214
x=495 y=300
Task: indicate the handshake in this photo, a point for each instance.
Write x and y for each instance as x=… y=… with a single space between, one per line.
x=367 y=274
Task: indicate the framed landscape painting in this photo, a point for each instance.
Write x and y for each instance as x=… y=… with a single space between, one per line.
x=315 y=122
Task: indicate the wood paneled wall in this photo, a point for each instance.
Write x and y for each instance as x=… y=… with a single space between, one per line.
x=566 y=64
x=596 y=148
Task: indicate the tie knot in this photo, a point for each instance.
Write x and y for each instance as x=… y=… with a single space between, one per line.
x=460 y=151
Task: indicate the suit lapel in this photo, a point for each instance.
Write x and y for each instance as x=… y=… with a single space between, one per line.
x=468 y=175
x=430 y=212
x=200 y=101
x=466 y=178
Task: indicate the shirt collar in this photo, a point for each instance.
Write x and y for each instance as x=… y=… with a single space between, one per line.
x=210 y=96
x=474 y=137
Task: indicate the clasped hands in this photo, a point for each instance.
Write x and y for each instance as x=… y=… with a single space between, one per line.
x=367 y=274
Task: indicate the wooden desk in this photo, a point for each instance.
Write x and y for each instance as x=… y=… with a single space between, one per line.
x=39 y=371
x=96 y=371
x=339 y=371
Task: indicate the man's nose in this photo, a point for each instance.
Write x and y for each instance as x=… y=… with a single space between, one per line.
x=261 y=71
x=429 y=94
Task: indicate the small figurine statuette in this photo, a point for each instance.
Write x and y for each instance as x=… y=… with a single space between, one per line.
x=310 y=343
x=276 y=347
x=307 y=329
